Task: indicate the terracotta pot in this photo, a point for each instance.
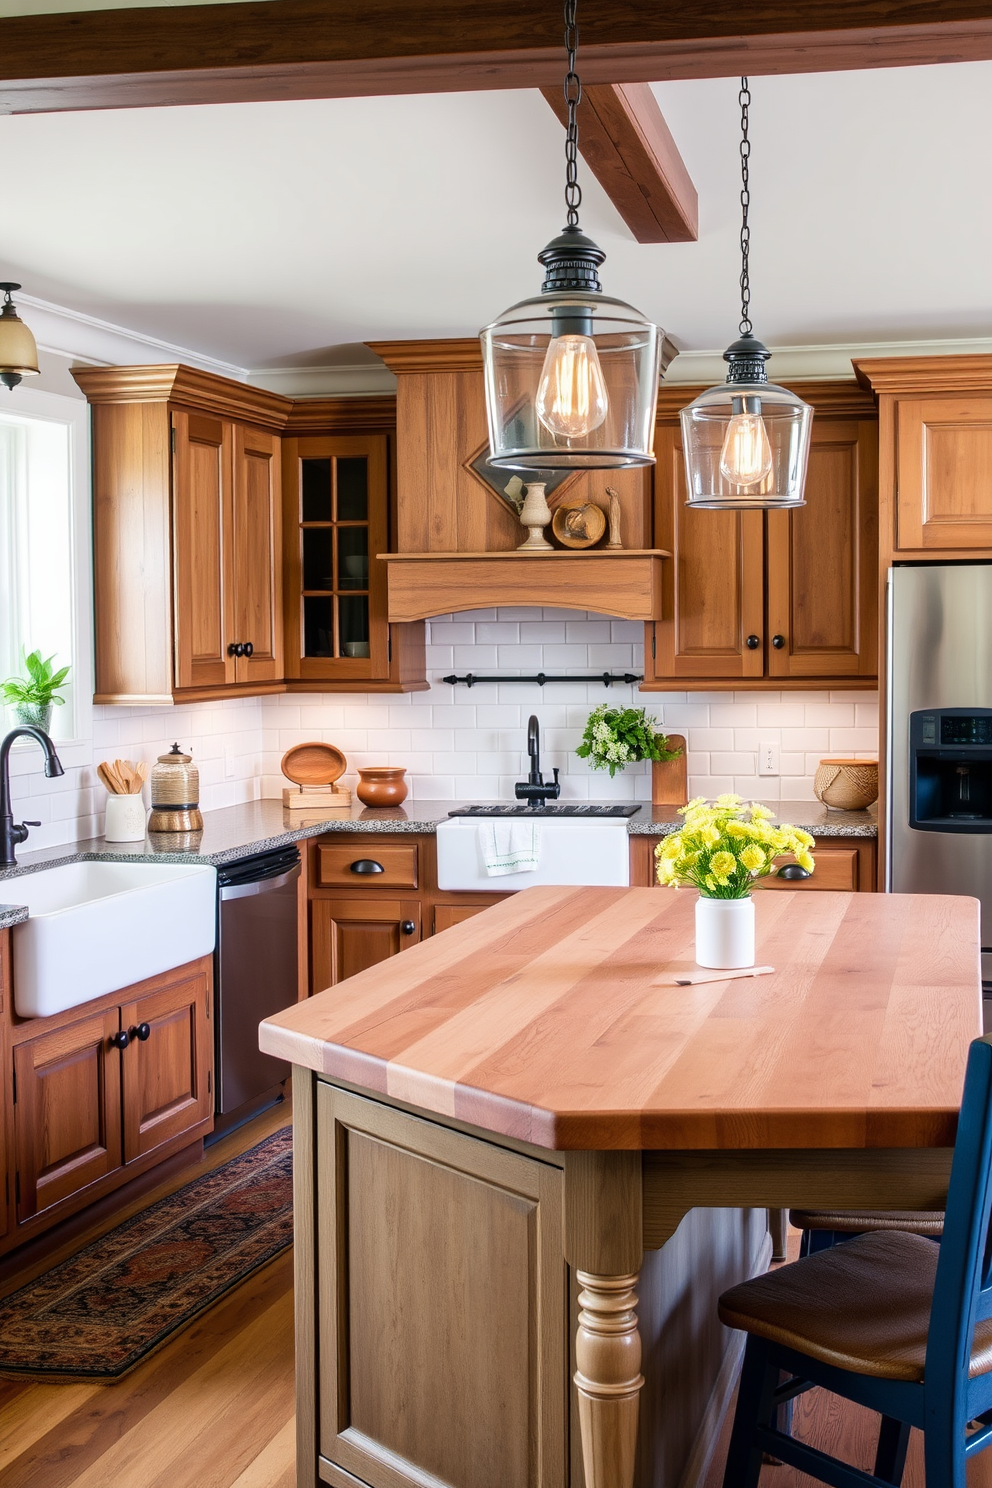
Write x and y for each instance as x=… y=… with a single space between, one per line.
x=381 y=785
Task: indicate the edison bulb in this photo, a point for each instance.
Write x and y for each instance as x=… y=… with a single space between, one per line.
x=571 y=395
x=746 y=457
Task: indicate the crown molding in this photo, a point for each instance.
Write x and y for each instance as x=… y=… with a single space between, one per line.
x=364 y=380
x=822 y=362
x=926 y=374
x=460 y=354
x=74 y=334
x=841 y=399
x=327 y=415
x=184 y=386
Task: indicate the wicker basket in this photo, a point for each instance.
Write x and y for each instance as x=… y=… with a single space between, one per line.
x=846 y=784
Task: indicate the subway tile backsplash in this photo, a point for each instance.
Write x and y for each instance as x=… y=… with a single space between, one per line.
x=471 y=742
x=461 y=743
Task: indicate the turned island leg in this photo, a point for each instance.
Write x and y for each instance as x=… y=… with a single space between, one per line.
x=608 y=1378
x=604 y=1245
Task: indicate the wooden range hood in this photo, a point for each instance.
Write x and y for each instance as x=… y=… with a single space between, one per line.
x=456 y=538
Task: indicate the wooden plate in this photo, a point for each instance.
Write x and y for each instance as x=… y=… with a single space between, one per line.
x=313 y=764
x=578 y=523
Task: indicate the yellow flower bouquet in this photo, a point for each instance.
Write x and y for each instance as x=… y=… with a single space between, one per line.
x=721 y=849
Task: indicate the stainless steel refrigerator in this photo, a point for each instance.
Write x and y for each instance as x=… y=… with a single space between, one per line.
x=939 y=735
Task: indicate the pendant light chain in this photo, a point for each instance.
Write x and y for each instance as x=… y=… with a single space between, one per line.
x=573 y=97
x=744 y=97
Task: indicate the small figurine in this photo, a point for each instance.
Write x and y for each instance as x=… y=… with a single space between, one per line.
x=614 y=496
x=514 y=492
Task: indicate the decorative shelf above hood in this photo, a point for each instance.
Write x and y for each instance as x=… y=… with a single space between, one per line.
x=626 y=584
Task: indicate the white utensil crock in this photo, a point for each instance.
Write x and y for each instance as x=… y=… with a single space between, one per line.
x=125 y=819
x=724 y=933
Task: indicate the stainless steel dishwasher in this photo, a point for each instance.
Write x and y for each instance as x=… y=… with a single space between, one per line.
x=256 y=975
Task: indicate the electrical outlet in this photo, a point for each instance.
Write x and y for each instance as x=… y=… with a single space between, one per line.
x=768 y=761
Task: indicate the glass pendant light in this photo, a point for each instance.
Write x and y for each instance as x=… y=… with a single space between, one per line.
x=746 y=441
x=571 y=375
x=18 y=353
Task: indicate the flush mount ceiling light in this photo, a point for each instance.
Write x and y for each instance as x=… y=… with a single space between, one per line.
x=571 y=375
x=746 y=441
x=18 y=353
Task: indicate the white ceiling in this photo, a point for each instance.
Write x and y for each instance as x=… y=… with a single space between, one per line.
x=268 y=234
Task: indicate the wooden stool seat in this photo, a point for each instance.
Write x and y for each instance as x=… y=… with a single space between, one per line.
x=852 y=1222
x=863 y=1306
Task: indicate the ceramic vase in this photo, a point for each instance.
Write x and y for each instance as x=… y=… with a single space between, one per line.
x=381 y=785
x=724 y=933
x=535 y=516
x=125 y=819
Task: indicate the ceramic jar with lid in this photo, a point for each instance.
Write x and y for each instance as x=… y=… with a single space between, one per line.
x=175 y=785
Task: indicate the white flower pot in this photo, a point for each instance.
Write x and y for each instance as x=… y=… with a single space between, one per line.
x=724 y=932
x=126 y=817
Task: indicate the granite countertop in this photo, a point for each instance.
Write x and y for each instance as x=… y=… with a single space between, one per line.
x=261 y=826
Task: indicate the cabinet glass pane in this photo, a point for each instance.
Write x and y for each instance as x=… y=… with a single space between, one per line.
x=354 y=617
x=317 y=558
x=315 y=480
x=353 y=557
x=353 y=489
x=318 y=627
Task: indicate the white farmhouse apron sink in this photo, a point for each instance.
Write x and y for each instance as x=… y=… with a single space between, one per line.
x=99 y=927
x=573 y=850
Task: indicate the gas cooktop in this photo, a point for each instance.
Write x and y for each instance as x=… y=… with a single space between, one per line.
x=550 y=808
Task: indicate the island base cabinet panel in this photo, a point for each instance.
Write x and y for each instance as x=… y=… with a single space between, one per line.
x=67 y=1111
x=167 y=1065
x=349 y=935
x=443 y=1341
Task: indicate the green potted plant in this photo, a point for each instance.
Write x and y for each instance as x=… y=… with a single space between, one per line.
x=33 y=697
x=617 y=737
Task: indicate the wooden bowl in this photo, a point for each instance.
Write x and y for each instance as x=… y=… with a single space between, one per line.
x=846 y=784
x=578 y=523
x=313 y=764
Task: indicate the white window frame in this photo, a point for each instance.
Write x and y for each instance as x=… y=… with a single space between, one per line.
x=74 y=414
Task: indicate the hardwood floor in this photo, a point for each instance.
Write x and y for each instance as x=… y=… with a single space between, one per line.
x=213 y=1409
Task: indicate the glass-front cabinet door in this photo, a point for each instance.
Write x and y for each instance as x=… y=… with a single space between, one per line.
x=335 y=523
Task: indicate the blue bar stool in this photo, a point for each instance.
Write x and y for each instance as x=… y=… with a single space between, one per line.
x=889 y=1320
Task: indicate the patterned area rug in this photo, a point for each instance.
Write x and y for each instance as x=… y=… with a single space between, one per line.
x=99 y=1314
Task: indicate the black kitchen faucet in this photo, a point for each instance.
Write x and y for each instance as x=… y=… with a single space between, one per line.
x=11 y=835
x=534 y=790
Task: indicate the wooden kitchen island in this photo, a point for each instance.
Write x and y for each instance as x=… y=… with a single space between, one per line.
x=498 y=1129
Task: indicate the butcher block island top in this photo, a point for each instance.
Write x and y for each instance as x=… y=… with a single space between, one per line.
x=538 y=1020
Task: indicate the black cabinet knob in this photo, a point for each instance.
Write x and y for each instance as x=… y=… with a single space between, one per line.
x=793 y=871
x=407 y=926
x=120 y=1040
x=235 y=649
x=142 y=1032
x=247 y=649
x=753 y=642
x=778 y=641
x=367 y=865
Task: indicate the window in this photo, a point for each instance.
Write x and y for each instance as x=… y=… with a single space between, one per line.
x=38 y=565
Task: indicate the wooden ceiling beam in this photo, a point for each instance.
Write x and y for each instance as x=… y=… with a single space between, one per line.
x=283 y=49
x=629 y=148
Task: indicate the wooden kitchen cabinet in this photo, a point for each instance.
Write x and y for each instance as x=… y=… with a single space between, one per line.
x=88 y=1114
x=349 y=934
x=6 y=1094
x=166 y=1068
x=935 y=430
x=186 y=529
x=228 y=622
x=841 y=863
x=67 y=1112
x=765 y=599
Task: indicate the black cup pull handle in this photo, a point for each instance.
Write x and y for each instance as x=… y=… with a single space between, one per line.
x=367 y=865
x=248 y=649
x=753 y=642
x=778 y=641
x=142 y=1032
x=120 y=1040
x=793 y=870
x=407 y=926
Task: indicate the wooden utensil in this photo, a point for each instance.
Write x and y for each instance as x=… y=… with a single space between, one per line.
x=691 y=978
x=104 y=773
